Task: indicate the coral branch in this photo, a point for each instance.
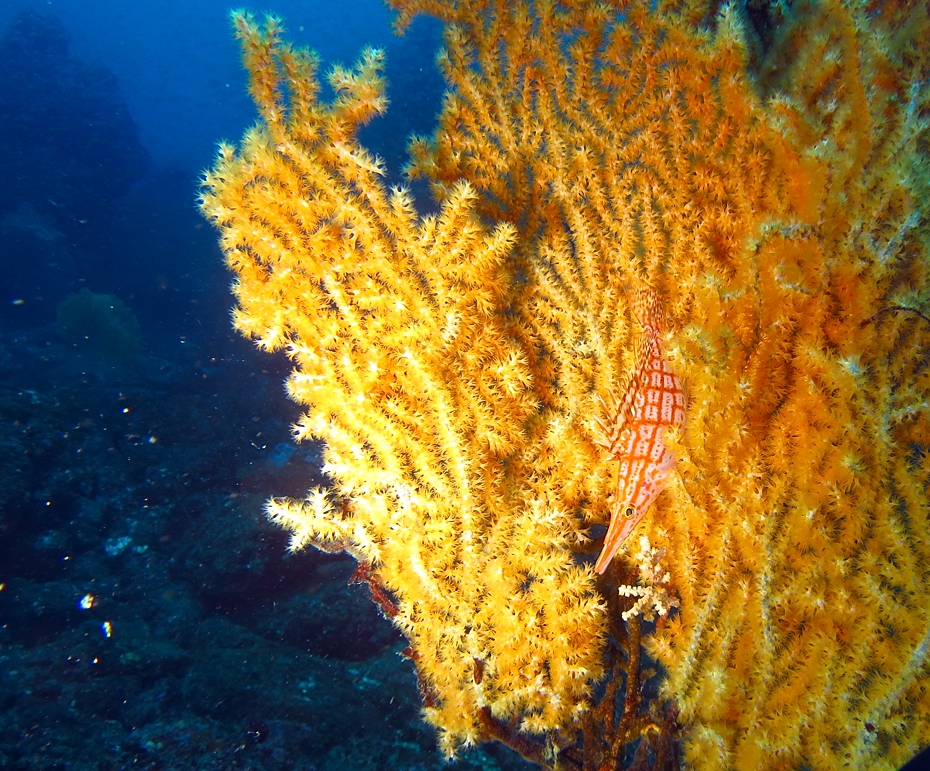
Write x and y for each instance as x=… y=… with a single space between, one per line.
x=408 y=365
x=765 y=170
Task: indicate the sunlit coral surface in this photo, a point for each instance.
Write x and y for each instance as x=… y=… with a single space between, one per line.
x=766 y=174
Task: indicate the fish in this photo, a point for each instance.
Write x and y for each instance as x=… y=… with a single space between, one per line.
x=635 y=425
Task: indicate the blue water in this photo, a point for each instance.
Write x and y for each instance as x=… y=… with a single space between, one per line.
x=178 y=64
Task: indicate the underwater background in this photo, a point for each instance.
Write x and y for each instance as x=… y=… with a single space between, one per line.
x=150 y=616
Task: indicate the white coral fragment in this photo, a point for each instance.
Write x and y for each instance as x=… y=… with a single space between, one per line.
x=655 y=596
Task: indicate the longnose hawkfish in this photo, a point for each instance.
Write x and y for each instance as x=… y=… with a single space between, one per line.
x=634 y=428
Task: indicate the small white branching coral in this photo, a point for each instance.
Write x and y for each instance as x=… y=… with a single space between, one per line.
x=653 y=591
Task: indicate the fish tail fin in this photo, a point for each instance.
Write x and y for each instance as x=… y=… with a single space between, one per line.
x=646 y=305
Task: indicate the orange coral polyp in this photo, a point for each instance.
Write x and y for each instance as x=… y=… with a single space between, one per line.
x=774 y=197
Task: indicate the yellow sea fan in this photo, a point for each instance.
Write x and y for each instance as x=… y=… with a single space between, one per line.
x=456 y=368
x=777 y=203
x=409 y=370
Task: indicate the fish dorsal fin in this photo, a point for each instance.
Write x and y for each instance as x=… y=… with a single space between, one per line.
x=619 y=405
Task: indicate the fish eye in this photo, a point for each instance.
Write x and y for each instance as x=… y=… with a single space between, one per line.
x=629 y=512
